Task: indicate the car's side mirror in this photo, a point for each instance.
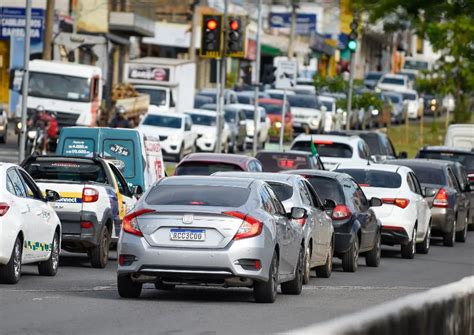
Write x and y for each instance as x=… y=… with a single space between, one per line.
x=403 y=155
x=298 y=213
x=429 y=192
x=329 y=204
x=375 y=202
x=52 y=196
x=137 y=190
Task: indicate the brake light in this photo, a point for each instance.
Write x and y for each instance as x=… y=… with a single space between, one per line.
x=441 y=199
x=286 y=163
x=251 y=227
x=86 y=225
x=90 y=194
x=323 y=142
x=302 y=221
x=341 y=212
x=130 y=224
x=402 y=203
x=470 y=177
x=4 y=208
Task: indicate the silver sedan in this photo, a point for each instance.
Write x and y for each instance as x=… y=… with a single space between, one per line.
x=230 y=232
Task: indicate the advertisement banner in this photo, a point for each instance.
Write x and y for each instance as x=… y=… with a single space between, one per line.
x=12 y=23
x=148 y=72
x=305 y=23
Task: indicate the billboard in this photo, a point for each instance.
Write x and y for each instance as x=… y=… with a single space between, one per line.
x=305 y=23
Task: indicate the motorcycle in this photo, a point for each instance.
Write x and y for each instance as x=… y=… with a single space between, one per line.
x=34 y=141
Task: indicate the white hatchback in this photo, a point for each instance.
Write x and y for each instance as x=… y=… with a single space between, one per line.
x=405 y=213
x=30 y=230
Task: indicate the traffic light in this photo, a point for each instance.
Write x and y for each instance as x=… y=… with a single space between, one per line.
x=211 y=36
x=235 y=37
x=352 y=42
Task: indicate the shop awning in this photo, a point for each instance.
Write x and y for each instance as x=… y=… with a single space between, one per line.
x=268 y=50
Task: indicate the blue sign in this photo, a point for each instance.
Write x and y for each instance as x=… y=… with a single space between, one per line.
x=305 y=23
x=12 y=23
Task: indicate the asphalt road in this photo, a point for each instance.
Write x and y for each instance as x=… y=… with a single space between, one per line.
x=83 y=300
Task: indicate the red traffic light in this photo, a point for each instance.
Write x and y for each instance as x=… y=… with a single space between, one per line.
x=234 y=25
x=212 y=24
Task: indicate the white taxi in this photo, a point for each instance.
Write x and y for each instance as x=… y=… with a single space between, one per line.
x=30 y=230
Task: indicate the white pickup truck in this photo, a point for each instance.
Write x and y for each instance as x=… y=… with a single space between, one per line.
x=94 y=199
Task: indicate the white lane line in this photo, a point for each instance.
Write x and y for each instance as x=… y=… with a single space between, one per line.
x=364 y=288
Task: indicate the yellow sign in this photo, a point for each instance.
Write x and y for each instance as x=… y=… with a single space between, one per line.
x=346 y=16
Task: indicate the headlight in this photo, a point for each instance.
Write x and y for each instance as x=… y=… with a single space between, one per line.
x=209 y=136
x=433 y=108
x=173 y=138
x=375 y=112
x=278 y=124
x=31 y=134
x=433 y=101
x=314 y=122
x=18 y=125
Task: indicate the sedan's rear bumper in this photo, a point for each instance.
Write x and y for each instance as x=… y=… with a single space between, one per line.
x=442 y=220
x=391 y=236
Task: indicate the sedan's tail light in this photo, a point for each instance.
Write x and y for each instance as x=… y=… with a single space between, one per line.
x=130 y=224
x=402 y=203
x=251 y=227
x=4 y=208
x=341 y=212
x=441 y=199
x=90 y=194
x=301 y=221
x=471 y=177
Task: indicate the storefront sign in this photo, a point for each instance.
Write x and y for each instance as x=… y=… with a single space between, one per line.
x=305 y=23
x=12 y=23
x=148 y=72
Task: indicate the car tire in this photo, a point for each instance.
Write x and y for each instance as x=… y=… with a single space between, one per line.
x=127 y=288
x=266 y=292
x=449 y=238
x=99 y=255
x=461 y=236
x=10 y=272
x=372 y=258
x=180 y=155
x=159 y=285
x=3 y=139
x=295 y=286
x=325 y=271
x=50 y=267
x=307 y=266
x=408 y=250
x=351 y=257
x=424 y=247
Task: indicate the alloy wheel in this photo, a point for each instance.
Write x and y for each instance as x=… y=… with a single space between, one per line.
x=413 y=239
x=55 y=253
x=17 y=260
x=275 y=275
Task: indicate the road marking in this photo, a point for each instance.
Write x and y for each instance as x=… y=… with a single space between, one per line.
x=364 y=288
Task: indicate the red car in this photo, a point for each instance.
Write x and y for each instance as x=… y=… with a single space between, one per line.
x=205 y=164
x=273 y=107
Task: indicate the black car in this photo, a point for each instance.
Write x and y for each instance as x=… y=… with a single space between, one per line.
x=275 y=161
x=356 y=227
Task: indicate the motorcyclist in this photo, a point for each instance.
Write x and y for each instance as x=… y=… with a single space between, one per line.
x=47 y=122
x=119 y=120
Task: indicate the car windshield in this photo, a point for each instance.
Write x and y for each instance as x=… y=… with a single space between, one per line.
x=373 y=76
x=204 y=168
x=393 y=81
x=340 y=150
x=245 y=99
x=303 y=101
x=327 y=188
x=157 y=97
x=465 y=159
x=203 y=120
x=375 y=144
x=249 y=114
x=274 y=162
x=282 y=191
x=273 y=109
x=59 y=87
x=372 y=178
x=229 y=116
x=429 y=175
x=197 y=195
x=77 y=171
x=409 y=96
x=163 y=121
x=327 y=104
x=211 y=95
x=393 y=98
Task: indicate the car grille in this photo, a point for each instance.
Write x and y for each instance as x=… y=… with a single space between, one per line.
x=163 y=138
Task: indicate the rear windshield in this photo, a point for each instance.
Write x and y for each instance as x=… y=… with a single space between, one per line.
x=374 y=143
x=272 y=108
x=303 y=101
x=383 y=179
x=80 y=172
x=465 y=159
x=282 y=191
x=198 y=195
x=279 y=162
x=393 y=81
x=244 y=99
x=204 y=169
x=163 y=121
x=427 y=175
x=327 y=188
x=340 y=150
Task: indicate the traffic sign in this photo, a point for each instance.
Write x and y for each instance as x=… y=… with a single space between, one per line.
x=286 y=74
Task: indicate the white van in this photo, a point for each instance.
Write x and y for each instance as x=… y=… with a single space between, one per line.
x=460 y=136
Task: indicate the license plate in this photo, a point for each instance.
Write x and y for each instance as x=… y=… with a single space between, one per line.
x=198 y=235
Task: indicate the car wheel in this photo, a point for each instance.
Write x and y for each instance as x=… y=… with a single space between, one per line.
x=127 y=288
x=266 y=292
x=296 y=285
x=180 y=155
x=461 y=236
x=159 y=285
x=50 y=267
x=409 y=249
x=10 y=272
x=424 y=247
x=450 y=237
x=350 y=258
x=307 y=266
x=3 y=139
x=372 y=258
x=325 y=270
x=99 y=255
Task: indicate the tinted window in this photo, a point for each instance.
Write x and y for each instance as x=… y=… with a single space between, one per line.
x=80 y=172
x=429 y=175
x=32 y=190
x=326 y=150
x=204 y=169
x=162 y=121
x=244 y=99
x=374 y=143
x=203 y=120
x=374 y=178
x=157 y=97
x=198 y=195
x=271 y=108
x=19 y=188
x=465 y=159
x=409 y=96
x=267 y=202
x=229 y=116
x=278 y=162
x=282 y=191
x=393 y=81
x=327 y=188
x=393 y=98
x=303 y=101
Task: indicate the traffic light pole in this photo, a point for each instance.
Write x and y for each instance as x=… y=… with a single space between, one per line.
x=349 y=94
x=220 y=102
x=256 y=115
x=283 y=117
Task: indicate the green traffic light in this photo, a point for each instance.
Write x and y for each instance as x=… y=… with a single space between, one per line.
x=352 y=45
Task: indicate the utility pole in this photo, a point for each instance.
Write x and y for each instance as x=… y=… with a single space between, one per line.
x=48 y=30
x=292 y=29
x=24 y=95
x=256 y=116
x=220 y=102
x=349 y=95
x=192 y=44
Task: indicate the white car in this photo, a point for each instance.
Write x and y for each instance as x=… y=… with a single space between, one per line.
x=175 y=131
x=307 y=114
x=414 y=108
x=333 y=149
x=393 y=82
x=405 y=213
x=263 y=124
x=30 y=230
x=204 y=125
